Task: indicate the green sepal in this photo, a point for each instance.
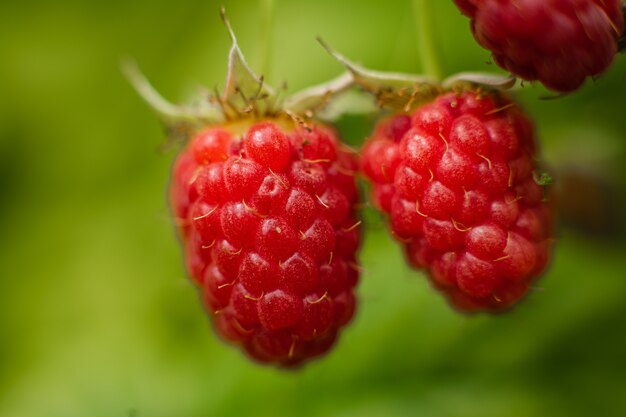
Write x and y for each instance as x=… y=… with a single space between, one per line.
x=390 y=89
x=180 y=121
x=245 y=91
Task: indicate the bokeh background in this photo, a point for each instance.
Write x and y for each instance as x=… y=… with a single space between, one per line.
x=97 y=317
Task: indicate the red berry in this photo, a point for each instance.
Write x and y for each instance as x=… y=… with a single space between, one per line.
x=268 y=222
x=211 y=146
x=463 y=199
x=558 y=42
x=268 y=145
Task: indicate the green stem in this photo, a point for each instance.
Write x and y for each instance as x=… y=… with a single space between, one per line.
x=265 y=38
x=425 y=42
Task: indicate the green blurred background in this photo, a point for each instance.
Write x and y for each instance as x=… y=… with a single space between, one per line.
x=97 y=317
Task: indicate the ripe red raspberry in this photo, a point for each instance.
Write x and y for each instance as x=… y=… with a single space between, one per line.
x=267 y=216
x=456 y=178
x=558 y=42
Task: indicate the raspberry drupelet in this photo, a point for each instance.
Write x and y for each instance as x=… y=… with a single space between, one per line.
x=557 y=42
x=456 y=179
x=267 y=216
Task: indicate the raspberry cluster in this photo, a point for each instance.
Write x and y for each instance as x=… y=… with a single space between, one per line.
x=266 y=212
x=558 y=42
x=456 y=179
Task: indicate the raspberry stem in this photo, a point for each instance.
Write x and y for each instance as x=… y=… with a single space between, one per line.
x=425 y=40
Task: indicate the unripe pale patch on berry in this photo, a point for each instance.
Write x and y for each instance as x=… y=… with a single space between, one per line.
x=279 y=309
x=268 y=145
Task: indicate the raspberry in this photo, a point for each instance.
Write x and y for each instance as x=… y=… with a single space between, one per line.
x=558 y=42
x=265 y=202
x=457 y=184
x=267 y=214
